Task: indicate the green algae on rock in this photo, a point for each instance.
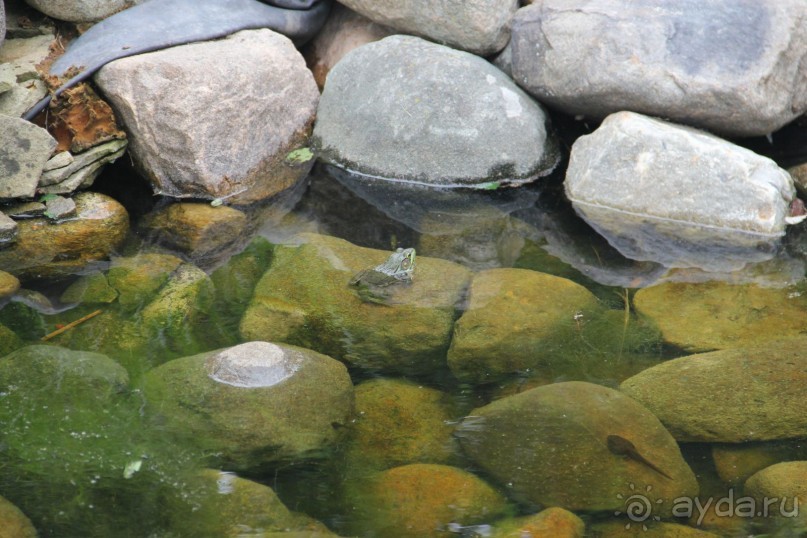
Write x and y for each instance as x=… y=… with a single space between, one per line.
x=58 y=250
x=729 y=396
x=718 y=315
x=252 y=404
x=137 y=278
x=304 y=299
x=550 y=523
x=93 y=288
x=215 y=503
x=421 y=500
x=550 y=446
x=398 y=423
x=520 y=321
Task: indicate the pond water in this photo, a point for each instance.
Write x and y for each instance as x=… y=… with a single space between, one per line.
x=82 y=456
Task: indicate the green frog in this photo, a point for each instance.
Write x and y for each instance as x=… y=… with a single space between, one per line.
x=374 y=285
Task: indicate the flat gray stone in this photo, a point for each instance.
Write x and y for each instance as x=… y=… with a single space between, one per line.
x=7 y=78
x=677 y=196
x=82 y=168
x=24 y=210
x=58 y=208
x=21 y=56
x=409 y=110
x=731 y=66
x=216 y=119
x=60 y=160
x=481 y=26
x=79 y=10
x=24 y=150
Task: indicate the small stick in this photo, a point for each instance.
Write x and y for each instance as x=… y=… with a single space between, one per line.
x=70 y=325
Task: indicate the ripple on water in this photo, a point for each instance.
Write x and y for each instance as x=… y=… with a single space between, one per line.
x=252 y=365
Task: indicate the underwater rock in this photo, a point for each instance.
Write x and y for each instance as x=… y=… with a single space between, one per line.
x=552 y=522
x=734 y=463
x=200 y=231
x=14 y=523
x=59 y=208
x=92 y=288
x=22 y=55
x=719 y=315
x=137 y=278
x=730 y=67
x=80 y=10
x=305 y=299
x=404 y=109
x=423 y=500
x=252 y=404
x=24 y=150
x=54 y=250
x=398 y=423
x=524 y=322
x=510 y=321
x=648 y=529
x=729 y=396
x=778 y=493
x=678 y=196
x=9 y=284
x=263 y=92
x=344 y=31
x=551 y=446
x=217 y=503
x=481 y=27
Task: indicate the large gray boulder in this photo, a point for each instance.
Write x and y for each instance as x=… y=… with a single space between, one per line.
x=218 y=119
x=79 y=10
x=678 y=196
x=24 y=150
x=481 y=26
x=409 y=110
x=733 y=67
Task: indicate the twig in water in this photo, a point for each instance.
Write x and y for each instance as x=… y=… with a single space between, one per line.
x=70 y=325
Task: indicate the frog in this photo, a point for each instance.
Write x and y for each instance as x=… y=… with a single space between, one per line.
x=376 y=285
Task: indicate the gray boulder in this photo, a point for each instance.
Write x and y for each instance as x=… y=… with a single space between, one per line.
x=481 y=27
x=678 y=196
x=728 y=66
x=24 y=150
x=729 y=396
x=20 y=56
x=218 y=119
x=79 y=10
x=409 y=110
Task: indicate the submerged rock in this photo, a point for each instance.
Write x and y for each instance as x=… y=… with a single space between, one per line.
x=481 y=27
x=15 y=523
x=199 y=231
x=735 y=463
x=424 y=500
x=677 y=196
x=551 y=445
x=45 y=250
x=552 y=522
x=781 y=490
x=408 y=110
x=399 y=423
x=9 y=284
x=524 y=322
x=252 y=404
x=229 y=143
x=305 y=299
x=728 y=66
x=137 y=278
x=216 y=503
x=720 y=315
x=24 y=150
x=729 y=396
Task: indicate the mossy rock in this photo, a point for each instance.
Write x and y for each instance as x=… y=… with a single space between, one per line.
x=137 y=278
x=549 y=523
x=305 y=299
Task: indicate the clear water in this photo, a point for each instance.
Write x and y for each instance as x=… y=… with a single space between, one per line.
x=73 y=488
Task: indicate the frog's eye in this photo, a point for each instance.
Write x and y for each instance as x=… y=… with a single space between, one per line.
x=406 y=263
